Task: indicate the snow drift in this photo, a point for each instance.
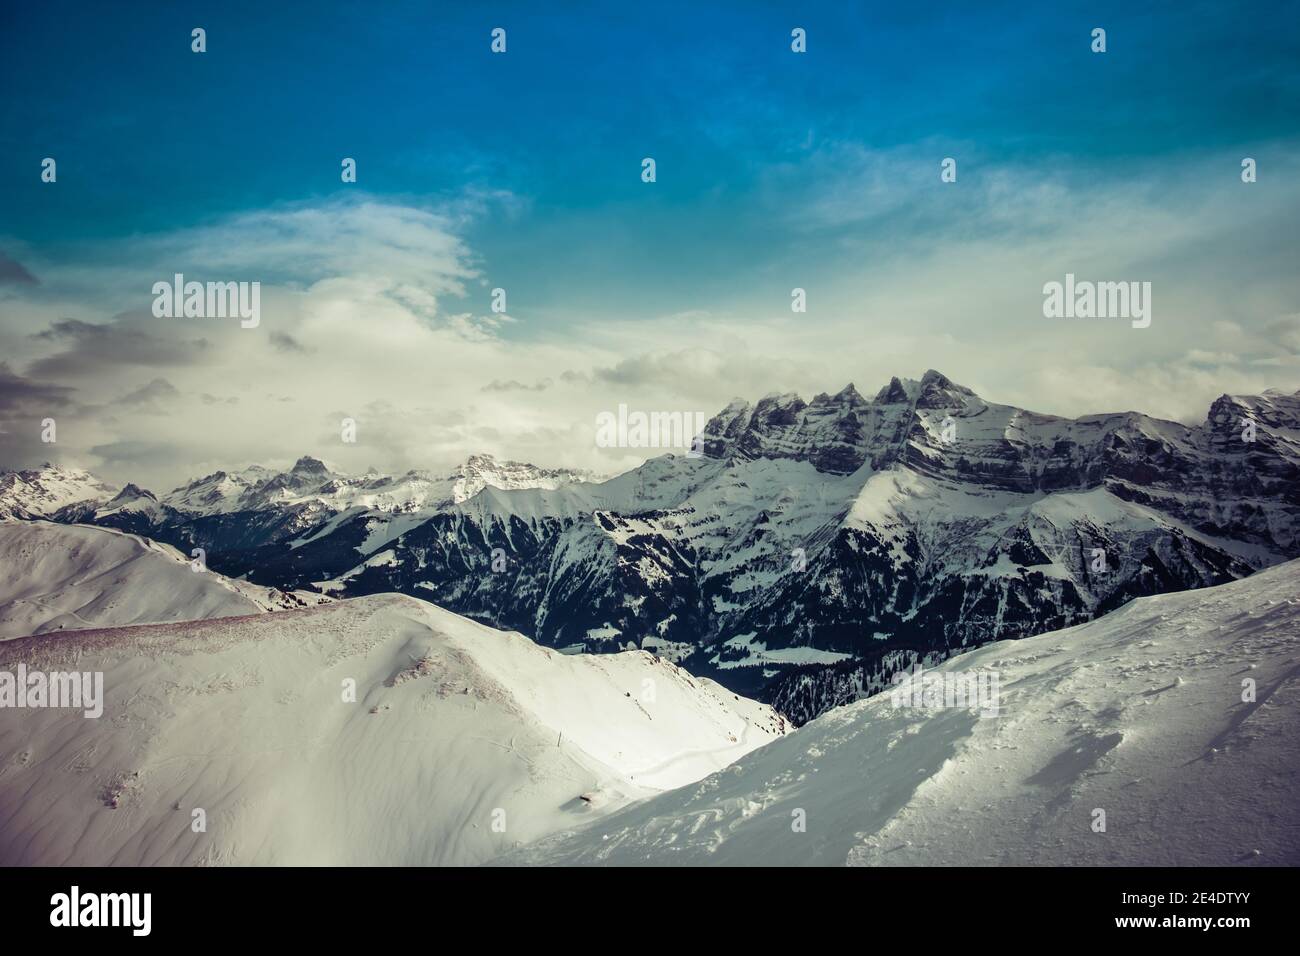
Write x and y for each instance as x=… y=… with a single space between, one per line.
x=462 y=741
x=1146 y=714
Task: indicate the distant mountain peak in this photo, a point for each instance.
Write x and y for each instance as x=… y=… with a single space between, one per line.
x=131 y=492
x=40 y=492
x=309 y=465
x=895 y=393
x=841 y=432
x=850 y=395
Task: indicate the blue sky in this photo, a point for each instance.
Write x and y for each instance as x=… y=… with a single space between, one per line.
x=775 y=170
x=152 y=136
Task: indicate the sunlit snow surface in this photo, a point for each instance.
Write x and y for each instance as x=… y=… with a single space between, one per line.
x=456 y=727
x=1139 y=714
x=68 y=577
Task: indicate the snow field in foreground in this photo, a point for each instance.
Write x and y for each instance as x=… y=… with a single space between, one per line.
x=463 y=741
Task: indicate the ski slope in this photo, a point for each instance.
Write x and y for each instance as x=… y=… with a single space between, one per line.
x=1139 y=714
x=67 y=577
x=462 y=742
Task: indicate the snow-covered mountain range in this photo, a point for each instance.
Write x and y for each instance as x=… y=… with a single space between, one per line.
x=815 y=548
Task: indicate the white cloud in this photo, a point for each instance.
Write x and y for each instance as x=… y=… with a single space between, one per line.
x=365 y=313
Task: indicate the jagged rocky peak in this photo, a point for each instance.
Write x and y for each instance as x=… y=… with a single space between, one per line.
x=933 y=382
x=737 y=406
x=931 y=390
x=307 y=472
x=132 y=492
x=307 y=465
x=993 y=445
x=1236 y=422
x=1274 y=408
x=726 y=427
x=847 y=396
x=896 y=392
x=731 y=418
x=936 y=390
x=486 y=464
x=836 y=433
x=201 y=492
x=779 y=409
